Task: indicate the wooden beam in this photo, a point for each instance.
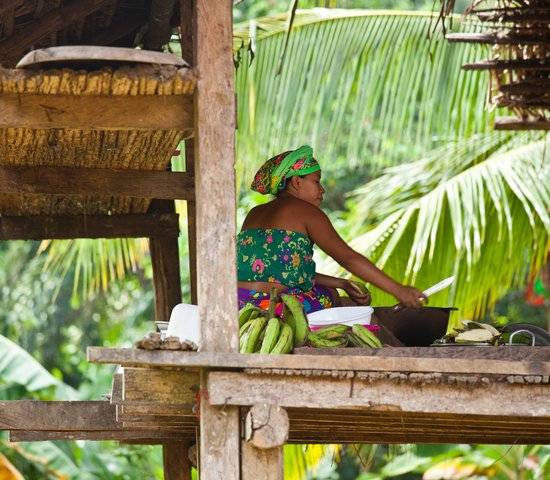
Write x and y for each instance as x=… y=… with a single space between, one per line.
x=58 y=19
x=155 y=386
x=96 y=181
x=264 y=464
x=89 y=226
x=57 y=416
x=460 y=360
x=188 y=54
x=166 y=267
x=540 y=65
x=297 y=391
x=176 y=461
x=494 y=39
x=514 y=123
x=93 y=112
x=152 y=436
x=216 y=235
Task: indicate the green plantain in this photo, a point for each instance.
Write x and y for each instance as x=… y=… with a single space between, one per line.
x=332 y=331
x=247 y=313
x=271 y=336
x=315 y=340
x=366 y=335
x=356 y=341
x=285 y=342
x=251 y=335
x=300 y=319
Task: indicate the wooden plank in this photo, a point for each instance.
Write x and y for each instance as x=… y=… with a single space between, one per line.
x=166 y=267
x=92 y=112
x=89 y=226
x=191 y=221
x=264 y=464
x=520 y=64
x=176 y=461
x=216 y=234
x=506 y=123
x=494 y=39
x=67 y=54
x=402 y=396
x=54 y=415
x=215 y=177
x=11 y=49
x=153 y=386
x=146 y=437
x=519 y=364
x=96 y=181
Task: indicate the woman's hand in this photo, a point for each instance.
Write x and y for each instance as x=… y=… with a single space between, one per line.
x=410 y=296
x=355 y=293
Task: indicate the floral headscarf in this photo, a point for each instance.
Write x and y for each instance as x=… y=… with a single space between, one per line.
x=273 y=174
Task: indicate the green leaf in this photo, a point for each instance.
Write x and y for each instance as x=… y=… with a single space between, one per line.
x=19 y=368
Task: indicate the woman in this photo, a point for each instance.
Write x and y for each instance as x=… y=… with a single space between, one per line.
x=275 y=245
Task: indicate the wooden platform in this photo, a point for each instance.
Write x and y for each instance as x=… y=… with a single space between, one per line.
x=388 y=395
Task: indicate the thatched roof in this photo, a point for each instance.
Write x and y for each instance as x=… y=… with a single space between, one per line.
x=29 y=140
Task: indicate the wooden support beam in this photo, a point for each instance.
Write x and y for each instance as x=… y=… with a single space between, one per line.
x=92 y=112
x=216 y=234
x=461 y=398
x=89 y=226
x=148 y=386
x=484 y=361
x=57 y=416
x=96 y=181
x=166 y=267
x=152 y=436
x=12 y=49
x=176 y=461
x=513 y=123
x=264 y=464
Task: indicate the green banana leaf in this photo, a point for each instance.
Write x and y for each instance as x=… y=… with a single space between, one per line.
x=19 y=368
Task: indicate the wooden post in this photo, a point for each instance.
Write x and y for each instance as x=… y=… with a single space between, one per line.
x=216 y=213
x=266 y=430
x=176 y=461
x=188 y=54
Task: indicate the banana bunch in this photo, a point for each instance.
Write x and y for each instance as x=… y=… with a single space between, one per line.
x=473 y=332
x=338 y=336
x=261 y=331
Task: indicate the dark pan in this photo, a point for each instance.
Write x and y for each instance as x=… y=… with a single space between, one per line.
x=415 y=327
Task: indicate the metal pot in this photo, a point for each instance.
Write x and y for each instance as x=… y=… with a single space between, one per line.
x=414 y=327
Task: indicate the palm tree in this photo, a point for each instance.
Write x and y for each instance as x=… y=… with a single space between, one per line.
x=370 y=90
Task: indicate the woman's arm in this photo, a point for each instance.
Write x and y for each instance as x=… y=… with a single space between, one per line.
x=323 y=234
x=356 y=294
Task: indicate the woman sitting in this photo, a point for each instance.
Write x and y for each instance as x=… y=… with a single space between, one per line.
x=275 y=245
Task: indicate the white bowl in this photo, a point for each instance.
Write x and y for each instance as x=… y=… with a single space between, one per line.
x=184 y=323
x=342 y=315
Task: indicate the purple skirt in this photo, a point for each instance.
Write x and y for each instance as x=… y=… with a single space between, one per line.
x=318 y=298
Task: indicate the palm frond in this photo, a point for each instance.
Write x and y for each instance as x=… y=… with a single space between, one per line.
x=488 y=225
x=362 y=87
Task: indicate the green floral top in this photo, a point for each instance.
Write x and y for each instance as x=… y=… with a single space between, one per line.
x=275 y=256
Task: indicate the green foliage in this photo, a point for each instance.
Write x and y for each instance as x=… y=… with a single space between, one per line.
x=362 y=87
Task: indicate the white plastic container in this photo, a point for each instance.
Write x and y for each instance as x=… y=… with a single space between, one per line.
x=184 y=323
x=342 y=315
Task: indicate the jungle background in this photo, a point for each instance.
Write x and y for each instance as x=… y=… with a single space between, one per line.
x=416 y=179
